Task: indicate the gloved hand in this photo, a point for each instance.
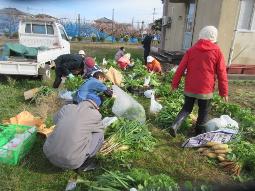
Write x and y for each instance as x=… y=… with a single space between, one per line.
x=70 y=76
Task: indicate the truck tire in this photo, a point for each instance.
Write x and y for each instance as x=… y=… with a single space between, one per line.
x=44 y=73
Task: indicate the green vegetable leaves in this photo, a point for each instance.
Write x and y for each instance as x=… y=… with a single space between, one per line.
x=72 y=84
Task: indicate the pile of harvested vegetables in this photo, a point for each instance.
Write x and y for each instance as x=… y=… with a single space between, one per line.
x=129 y=135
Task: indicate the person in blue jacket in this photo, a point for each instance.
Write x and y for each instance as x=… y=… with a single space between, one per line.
x=93 y=88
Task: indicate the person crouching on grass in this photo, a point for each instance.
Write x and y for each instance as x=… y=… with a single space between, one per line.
x=79 y=131
x=153 y=65
x=124 y=62
x=77 y=137
x=203 y=62
x=93 y=87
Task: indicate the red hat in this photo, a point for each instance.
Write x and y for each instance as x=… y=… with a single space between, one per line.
x=90 y=62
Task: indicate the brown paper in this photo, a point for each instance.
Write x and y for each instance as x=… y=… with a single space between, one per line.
x=26 y=118
x=114 y=76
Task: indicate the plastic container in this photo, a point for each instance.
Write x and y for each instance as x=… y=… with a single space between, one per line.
x=21 y=143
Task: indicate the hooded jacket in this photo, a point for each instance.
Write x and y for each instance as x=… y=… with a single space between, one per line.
x=203 y=62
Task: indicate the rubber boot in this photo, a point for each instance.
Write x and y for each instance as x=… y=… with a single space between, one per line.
x=177 y=123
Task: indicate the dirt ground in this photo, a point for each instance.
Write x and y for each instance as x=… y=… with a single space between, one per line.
x=243 y=93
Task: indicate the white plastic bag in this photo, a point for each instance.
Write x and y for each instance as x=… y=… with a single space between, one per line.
x=125 y=106
x=148 y=93
x=155 y=106
x=107 y=121
x=147 y=81
x=224 y=122
x=66 y=95
x=71 y=185
x=104 y=62
x=174 y=69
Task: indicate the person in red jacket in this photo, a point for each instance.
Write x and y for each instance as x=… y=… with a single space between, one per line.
x=202 y=62
x=153 y=65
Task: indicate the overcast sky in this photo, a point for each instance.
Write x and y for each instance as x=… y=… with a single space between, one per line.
x=124 y=10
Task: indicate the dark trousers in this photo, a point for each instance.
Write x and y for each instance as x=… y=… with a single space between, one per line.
x=145 y=54
x=203 y=109
x=59 y=74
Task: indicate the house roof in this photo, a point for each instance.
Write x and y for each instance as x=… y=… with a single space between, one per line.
x=103 y=20
x=13 y=11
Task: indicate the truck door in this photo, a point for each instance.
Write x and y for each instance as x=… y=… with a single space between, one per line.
x=65 y=45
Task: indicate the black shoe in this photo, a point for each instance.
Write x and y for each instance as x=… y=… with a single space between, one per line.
x=199 y=130
x=88 y=165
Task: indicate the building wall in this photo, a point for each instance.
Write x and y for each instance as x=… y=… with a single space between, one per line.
x=208 y=13
x=227 y=24
x=244 y=49
x=174 y=34
x=222 y=14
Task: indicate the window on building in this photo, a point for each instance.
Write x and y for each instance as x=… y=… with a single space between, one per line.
x=50 y=29
x=28 y=28
x=247 y=15
x=38 y=29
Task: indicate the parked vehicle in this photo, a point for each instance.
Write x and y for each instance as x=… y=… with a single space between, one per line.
x=48 y=36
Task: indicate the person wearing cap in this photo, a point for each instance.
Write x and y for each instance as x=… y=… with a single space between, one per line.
x=120 y=53
x=82 y=53
x=90 y=67
x=146 y=46
x=67 y=65
x=203 y=62
x=153 y=65
x=124 y=62
x=92 y=87
x=77 y=136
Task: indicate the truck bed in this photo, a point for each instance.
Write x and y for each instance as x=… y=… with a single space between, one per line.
x=19 y=68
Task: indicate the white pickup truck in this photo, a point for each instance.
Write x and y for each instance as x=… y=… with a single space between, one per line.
x=35 y=32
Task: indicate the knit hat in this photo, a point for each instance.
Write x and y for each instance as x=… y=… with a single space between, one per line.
x=90 y=62
x=209 y=33
x=150 y=58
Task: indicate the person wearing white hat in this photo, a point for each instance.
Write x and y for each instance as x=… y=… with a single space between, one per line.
x=203 y=62
x=82 y=53
x=153 y=65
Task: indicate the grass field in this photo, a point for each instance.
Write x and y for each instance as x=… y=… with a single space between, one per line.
x=36 y=173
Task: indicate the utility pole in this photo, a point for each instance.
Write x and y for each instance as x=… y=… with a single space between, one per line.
x=154 y=13
x=133 y=22
x=79 y=24
x=112 y=23
x=142 y=26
